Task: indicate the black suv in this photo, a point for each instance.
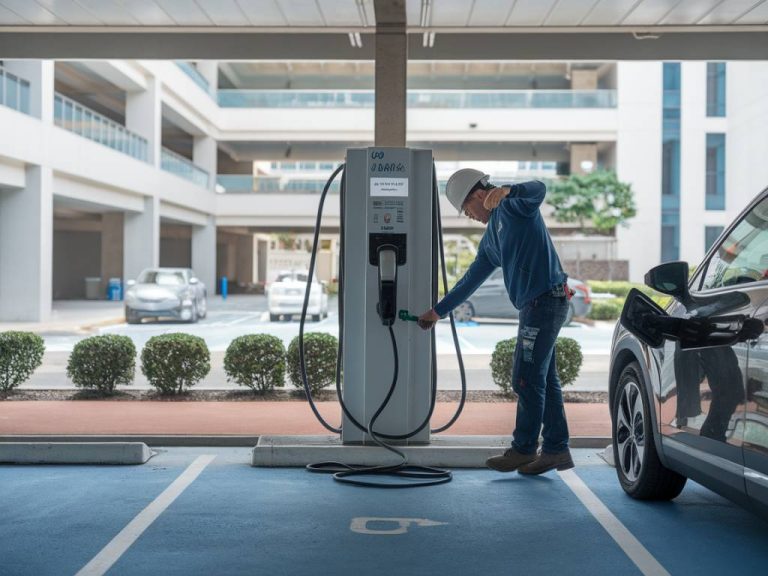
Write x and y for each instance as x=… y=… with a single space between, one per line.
x=689 y=384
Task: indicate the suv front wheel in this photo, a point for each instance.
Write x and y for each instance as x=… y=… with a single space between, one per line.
x=640 y=472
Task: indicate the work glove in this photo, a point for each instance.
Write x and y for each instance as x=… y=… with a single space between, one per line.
x=494 y=197
x=427 y=320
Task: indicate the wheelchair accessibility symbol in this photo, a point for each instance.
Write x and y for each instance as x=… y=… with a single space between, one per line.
x=399 y=525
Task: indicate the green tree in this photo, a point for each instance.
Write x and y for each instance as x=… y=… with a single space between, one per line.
x=599 y=198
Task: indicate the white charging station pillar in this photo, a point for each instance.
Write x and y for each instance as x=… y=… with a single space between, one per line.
x=388 y=203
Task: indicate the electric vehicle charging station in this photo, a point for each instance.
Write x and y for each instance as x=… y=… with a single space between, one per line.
x=390 y=230
x=388 y=265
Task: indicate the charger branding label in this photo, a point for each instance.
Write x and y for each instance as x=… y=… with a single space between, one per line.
x=389 y=187
x=388 y=190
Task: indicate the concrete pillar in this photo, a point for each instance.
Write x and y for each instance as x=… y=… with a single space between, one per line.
x=141 y=239
x=204 y=155
x=111 y=247
x=638 y=162
x=40 y=75
x=143 y=115
x=391 y=73
x=209 y=69
x=583 y=158
x=26 y=248
x=204 y=254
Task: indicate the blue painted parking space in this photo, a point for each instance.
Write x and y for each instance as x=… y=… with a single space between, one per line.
x=234 y=519
x=699 y=532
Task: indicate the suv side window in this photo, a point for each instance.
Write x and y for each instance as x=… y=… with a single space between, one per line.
x=743 y=255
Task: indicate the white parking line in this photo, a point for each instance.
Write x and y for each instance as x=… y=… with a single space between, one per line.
x=112 y=552
x=631 y=546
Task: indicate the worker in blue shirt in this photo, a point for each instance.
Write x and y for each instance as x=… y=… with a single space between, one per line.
x=516 y=239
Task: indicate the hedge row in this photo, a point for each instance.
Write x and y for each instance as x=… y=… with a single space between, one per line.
x=175 y=362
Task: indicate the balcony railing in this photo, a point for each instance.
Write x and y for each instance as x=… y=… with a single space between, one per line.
x=194 y=73
x=245 y=184
x=419 y=99
x=235 y=183
x=14 y=92
x=83 y=121
x=175 y=163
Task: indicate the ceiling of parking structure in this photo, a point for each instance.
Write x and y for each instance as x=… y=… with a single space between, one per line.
x=360 y=13
x=324 y=29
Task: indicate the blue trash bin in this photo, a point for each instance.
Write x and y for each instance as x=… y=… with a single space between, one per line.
x=115 y=289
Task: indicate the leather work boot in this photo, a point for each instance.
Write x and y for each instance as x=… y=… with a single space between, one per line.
x=510 y=461
x=546 y=462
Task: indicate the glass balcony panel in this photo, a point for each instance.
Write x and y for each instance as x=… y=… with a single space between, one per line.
x=177 y=164
x=88 y=123
x=11 y=91
x=24 y=96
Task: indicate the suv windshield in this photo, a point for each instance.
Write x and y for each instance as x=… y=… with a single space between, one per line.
x=162 y=278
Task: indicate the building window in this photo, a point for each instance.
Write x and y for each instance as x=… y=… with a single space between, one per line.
x=670 y=248
x=670 y=164
x=711 y=233
x=715 y=88
x=715 y=172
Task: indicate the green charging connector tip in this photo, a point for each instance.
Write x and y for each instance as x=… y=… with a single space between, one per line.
x=406 y=317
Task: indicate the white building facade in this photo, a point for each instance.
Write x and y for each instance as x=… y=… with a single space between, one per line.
x=108 y=167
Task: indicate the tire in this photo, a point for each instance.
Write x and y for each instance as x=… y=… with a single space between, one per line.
x=640 y=472
x=464 y=312
x=316 y=317
x=204 y=312
x=130 y=317
x=274 y=317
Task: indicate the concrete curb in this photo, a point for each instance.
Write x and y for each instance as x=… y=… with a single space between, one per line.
x=74 y=453
x=150 y=440
x=444 y=451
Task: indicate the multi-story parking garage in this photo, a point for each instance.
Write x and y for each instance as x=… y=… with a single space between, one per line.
x=151 y=163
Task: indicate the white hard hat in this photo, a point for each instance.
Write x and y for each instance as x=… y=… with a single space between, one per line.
x=461 y=183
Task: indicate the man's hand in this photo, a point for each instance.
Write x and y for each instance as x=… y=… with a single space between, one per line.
x=494 y=197
x=427 y=320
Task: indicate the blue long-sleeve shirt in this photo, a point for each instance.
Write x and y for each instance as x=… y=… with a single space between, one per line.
x=515 y=239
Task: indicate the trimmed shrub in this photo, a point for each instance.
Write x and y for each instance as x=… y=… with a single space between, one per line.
x=606 y=309
x=21 y=353
x=102 y=362
x=320 y=351
x=256 y=361
x=173 y=362
x=568 y=357
x=569 y=360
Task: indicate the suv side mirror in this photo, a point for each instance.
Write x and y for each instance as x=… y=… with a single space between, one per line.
x=193 y=281
x=670 y=278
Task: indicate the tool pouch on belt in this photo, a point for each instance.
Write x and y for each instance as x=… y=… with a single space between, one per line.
x=563 y=290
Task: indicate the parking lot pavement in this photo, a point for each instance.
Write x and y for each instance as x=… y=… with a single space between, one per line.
x=206 y=511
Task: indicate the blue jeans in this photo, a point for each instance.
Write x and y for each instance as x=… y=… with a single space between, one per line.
x=535 y=380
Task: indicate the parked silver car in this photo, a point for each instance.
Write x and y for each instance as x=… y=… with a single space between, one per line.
x=492 y=300
x=165 y=293
x=689 y=384
x=286 y=296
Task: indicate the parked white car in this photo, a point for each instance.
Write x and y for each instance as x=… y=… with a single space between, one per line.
x=286 y=296
x=165 y=292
